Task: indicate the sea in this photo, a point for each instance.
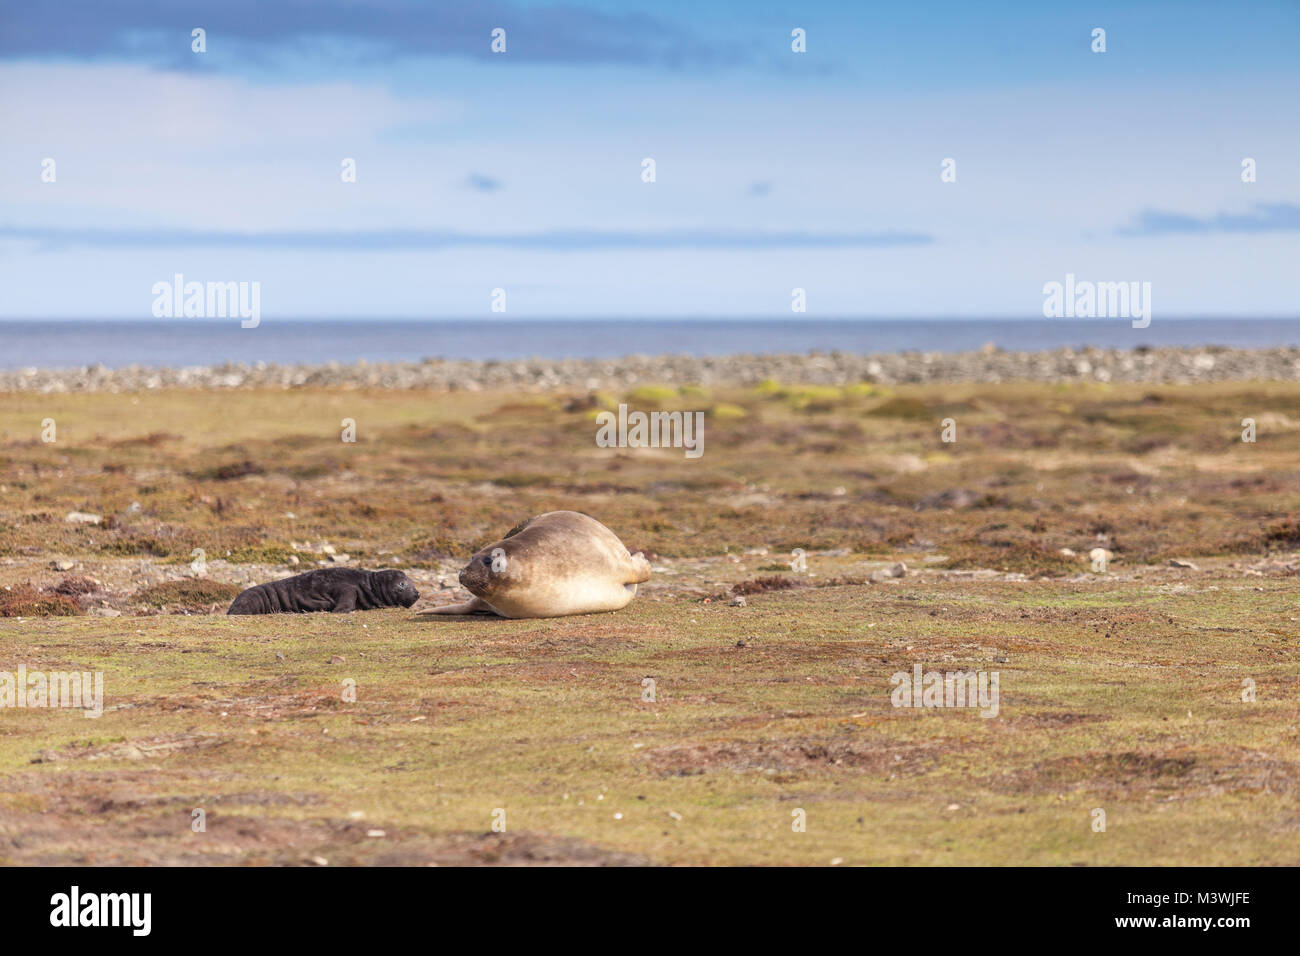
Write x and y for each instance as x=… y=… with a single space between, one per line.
x=71 y=343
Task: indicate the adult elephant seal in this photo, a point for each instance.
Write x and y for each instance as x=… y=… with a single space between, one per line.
x=328 y=589
x=558 y=563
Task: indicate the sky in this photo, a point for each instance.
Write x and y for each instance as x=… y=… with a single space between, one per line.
x=523 y=170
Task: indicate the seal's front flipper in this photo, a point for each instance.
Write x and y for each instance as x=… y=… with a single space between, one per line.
x=472 y=606
x=346 y=602
x=309 y=602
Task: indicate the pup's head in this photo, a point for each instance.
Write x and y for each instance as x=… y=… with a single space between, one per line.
x=395 y=588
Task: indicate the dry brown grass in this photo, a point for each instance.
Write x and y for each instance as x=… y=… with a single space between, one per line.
x=1120 y=691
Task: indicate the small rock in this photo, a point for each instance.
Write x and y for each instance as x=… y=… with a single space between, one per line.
x=887 y=574
x=83 y=517
x=952 y=498
x=293 y=559
x=337 y=659
x=375 y=833
x=1066 y=552
x=1177 y=563
x=108 y=612
x=63 y=565
x=738 y=601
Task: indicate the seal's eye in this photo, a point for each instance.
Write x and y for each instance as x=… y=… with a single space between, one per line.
x=486 y=560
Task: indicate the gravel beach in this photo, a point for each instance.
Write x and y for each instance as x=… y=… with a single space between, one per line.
x=1180 y=366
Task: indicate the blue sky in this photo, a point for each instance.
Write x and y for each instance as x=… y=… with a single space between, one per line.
x=774 y=170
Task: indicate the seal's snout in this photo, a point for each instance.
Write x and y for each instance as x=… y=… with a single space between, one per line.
x=474 y=576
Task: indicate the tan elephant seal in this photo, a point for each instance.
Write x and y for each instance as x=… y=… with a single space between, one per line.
x=558 y=563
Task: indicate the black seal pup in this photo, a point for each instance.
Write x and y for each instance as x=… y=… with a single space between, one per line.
x=558 y=563
x=328 y=589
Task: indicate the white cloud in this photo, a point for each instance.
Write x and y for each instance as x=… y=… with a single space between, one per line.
x=149 y=146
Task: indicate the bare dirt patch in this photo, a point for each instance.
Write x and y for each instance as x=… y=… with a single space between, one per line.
x=1156 y=775
x=162 y=745
x=774 y=582
x=783 y=755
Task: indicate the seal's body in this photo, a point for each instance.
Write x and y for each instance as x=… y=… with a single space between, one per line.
x=328 y=589
x=558 y=563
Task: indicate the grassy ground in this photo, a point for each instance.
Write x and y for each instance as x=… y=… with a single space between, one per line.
x=1119 y=691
